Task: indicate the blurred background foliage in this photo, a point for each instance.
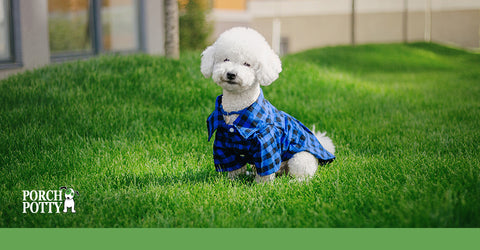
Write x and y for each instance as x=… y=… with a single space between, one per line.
x=195 y=28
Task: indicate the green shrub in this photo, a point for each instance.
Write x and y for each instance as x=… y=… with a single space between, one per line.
x=194 y=27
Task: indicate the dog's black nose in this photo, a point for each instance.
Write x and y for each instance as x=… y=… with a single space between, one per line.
x=231 y=76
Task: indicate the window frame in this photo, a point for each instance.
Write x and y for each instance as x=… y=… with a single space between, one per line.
x=95 y=23
x=13 y=14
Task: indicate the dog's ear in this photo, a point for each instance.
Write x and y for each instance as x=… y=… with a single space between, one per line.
x=270 y=67
x=208 y=59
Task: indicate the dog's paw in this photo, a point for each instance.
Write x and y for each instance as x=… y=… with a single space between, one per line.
x=264 y=179
x=237 y=173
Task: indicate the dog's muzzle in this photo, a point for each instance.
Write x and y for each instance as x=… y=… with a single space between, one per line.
x=231 y=77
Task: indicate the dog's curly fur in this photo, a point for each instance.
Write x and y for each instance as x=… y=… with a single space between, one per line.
x=239 y=62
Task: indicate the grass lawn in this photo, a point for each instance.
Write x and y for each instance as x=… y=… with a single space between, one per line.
x=129 y=133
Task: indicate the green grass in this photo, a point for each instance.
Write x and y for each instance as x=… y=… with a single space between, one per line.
x=129 y=134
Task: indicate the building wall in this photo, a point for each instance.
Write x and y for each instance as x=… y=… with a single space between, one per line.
x=416 y=26
x=307 y=32
x=379 y=27
x=230 y=4
x=34 y=36
x=308 y=24
x=457 y=27
x=154 y=20
x=224 y=19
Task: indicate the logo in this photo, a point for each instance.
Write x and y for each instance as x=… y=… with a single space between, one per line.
x=49 y=201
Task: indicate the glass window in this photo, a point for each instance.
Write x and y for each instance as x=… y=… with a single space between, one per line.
x=78 y=27
x=5 y=33
x=69 y=26
x=120 y=25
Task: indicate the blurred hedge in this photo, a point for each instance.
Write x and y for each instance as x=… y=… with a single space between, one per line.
x=195 y=29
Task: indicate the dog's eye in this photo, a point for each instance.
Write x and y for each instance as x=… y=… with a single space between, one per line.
x=246 y=64
x=226 y=60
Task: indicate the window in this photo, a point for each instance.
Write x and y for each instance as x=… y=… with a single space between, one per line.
x=68 y=27
x=88 y=27
x=5 y=31
x=9 y=35
x=120 y=25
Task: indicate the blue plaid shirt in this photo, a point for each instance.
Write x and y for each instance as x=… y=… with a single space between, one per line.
x=261 y=135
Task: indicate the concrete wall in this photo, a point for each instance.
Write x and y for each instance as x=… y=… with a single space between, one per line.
x=34 y=36
x=308 y=24
x=226 y=19
x=34 y=32
x=460 y=28
x=307 y=32
x=457 y=27
x=416 y=26
x=379 y=27
x=154 y=27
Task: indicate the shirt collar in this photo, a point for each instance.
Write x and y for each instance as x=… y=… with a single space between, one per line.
x=249 y=121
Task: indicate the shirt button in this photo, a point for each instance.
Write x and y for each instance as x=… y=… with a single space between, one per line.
x=231 y=130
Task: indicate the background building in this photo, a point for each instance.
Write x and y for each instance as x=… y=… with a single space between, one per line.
x=35 y=33
x=295 y=25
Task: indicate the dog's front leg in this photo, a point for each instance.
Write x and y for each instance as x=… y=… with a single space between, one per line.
x=264 y=179
x=73 y=207
x=235 y=173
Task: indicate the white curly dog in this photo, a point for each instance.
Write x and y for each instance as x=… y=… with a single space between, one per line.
x=248 y=129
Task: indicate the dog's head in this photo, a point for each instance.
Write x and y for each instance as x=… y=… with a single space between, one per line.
x=69 y=193
x=239 y=59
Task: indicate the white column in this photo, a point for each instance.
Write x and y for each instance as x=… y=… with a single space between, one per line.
x=428 y=21
x=276 y=35
x=154 y=27
x=34 y=33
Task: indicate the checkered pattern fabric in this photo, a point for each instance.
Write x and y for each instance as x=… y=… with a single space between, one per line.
x=261 y=135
